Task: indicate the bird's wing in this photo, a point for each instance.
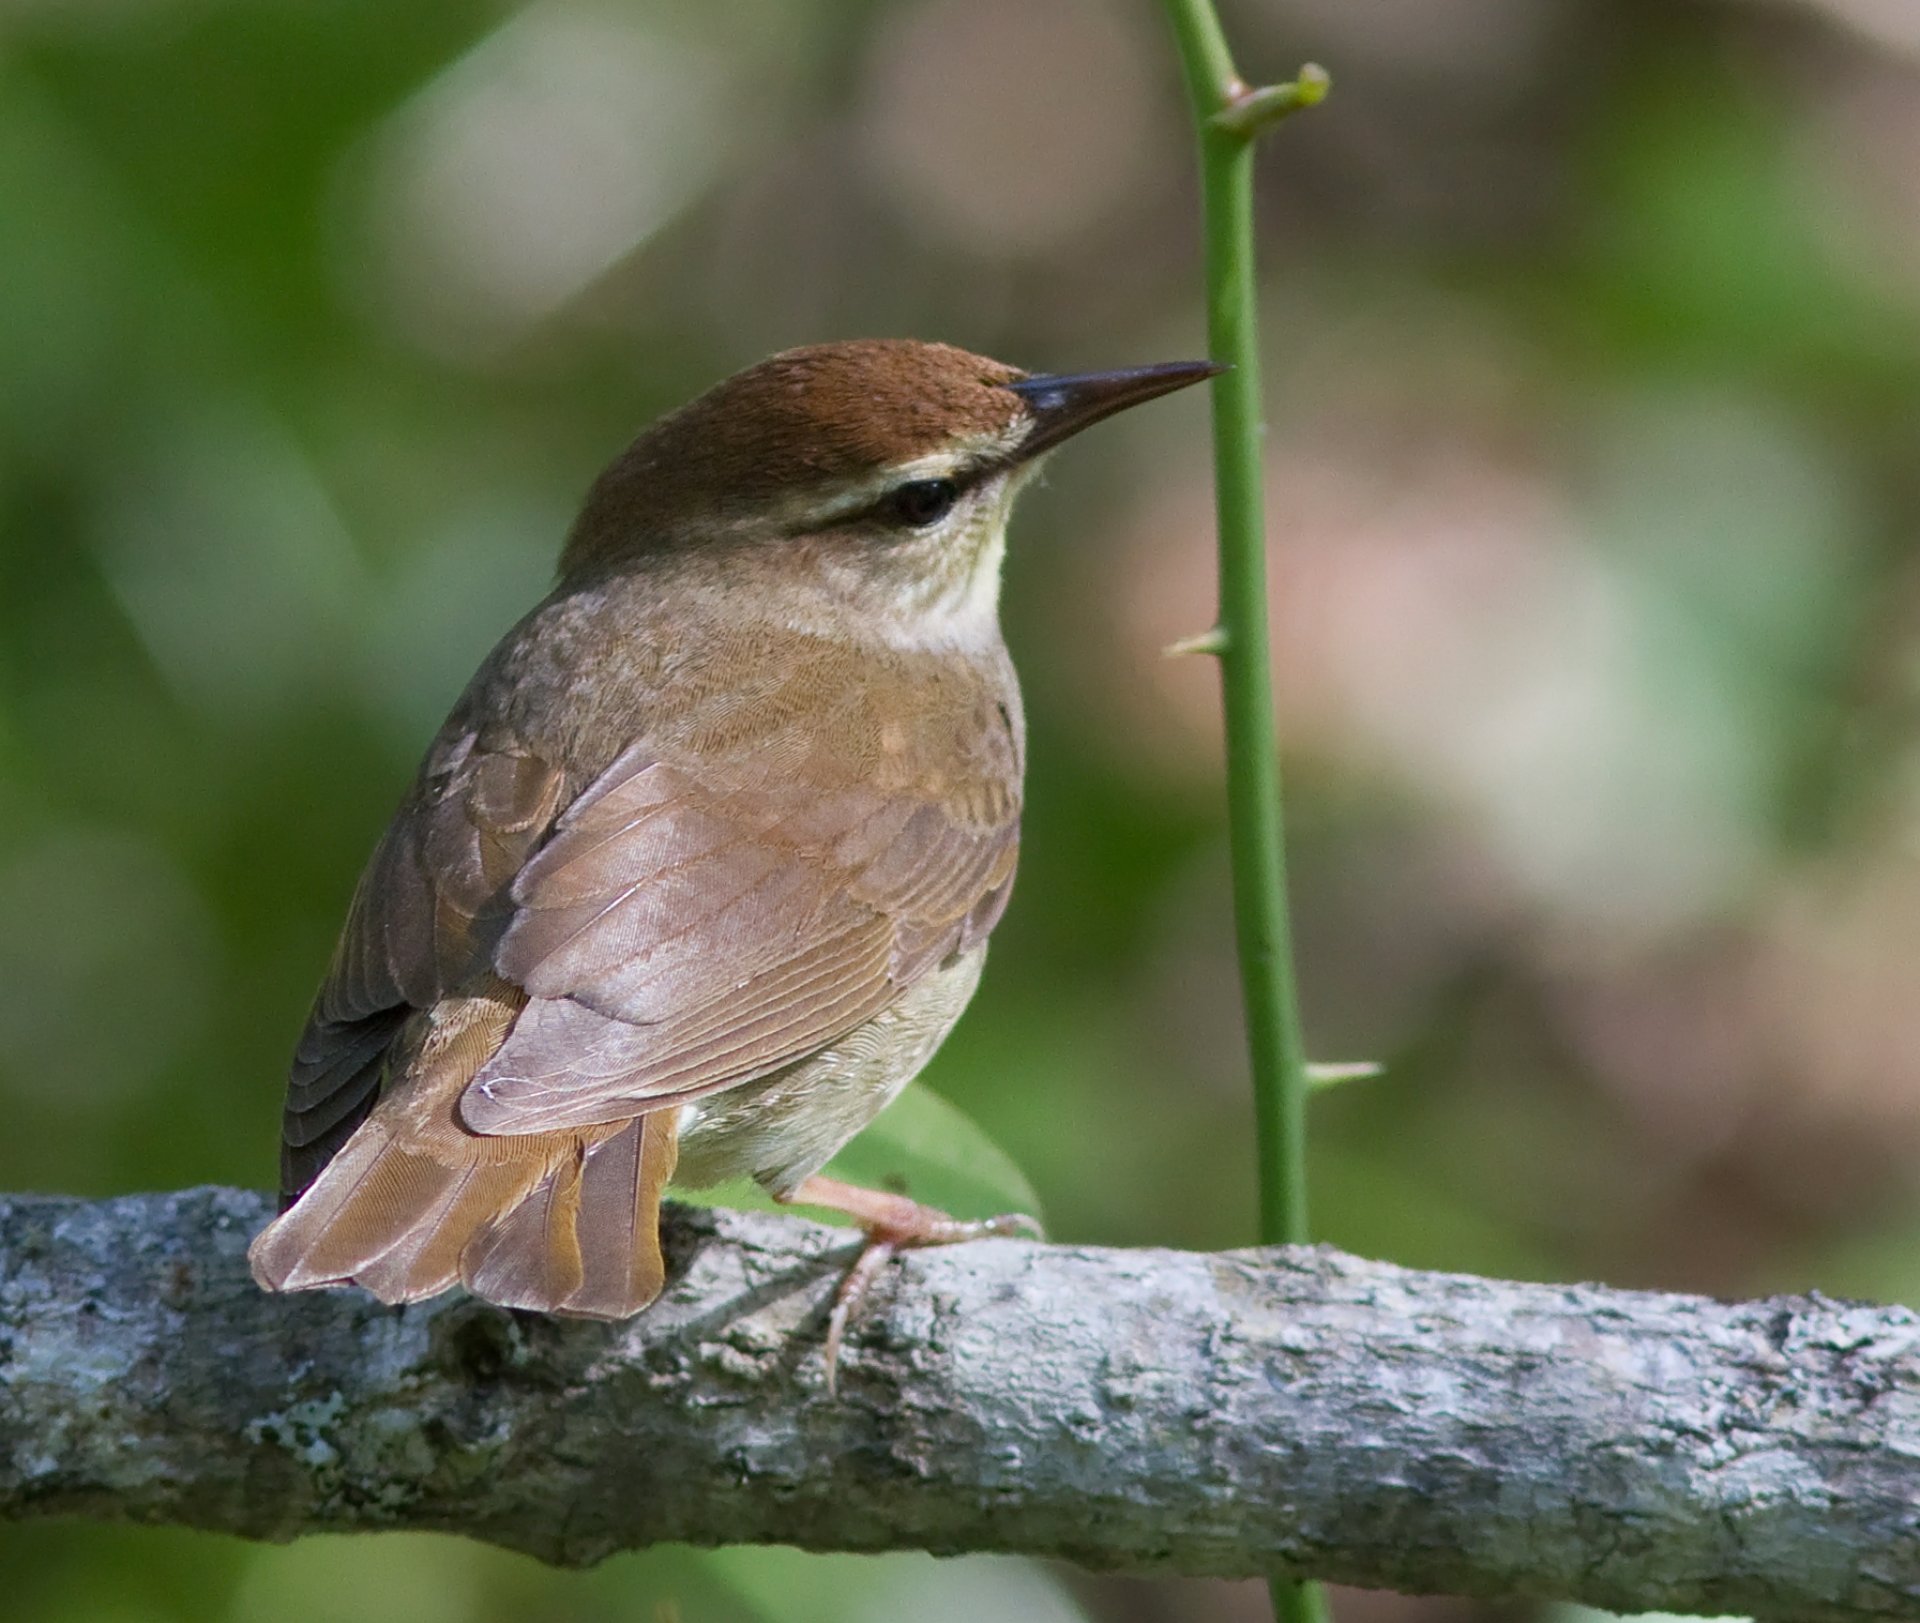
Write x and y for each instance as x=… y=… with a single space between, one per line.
x=682 y=931
x=674 y=932
x=424 y=917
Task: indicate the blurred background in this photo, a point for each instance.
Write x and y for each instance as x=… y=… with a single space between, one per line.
x=1594 y=369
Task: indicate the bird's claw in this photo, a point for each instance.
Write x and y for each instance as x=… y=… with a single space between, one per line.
x=935 y=1228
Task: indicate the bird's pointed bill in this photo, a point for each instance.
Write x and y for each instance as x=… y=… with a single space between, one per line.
x=1064 y=403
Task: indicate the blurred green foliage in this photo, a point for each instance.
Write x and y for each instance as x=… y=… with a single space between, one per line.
x=1596 y=370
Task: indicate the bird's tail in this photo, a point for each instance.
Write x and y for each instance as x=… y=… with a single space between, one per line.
x=563 y=1222
x=585 y=1241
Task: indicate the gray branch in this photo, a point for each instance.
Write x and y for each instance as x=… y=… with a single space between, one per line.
x=1150 y=1411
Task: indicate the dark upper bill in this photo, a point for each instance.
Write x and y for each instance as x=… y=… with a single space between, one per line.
x=1064 y=403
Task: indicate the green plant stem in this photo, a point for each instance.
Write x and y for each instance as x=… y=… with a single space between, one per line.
x=1229 y=115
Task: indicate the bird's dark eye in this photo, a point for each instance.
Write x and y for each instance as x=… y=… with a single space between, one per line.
x=921 y=502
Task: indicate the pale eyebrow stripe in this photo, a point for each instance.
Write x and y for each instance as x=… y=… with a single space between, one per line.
x=965 y=462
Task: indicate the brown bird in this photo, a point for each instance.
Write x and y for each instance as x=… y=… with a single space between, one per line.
x=701 y=869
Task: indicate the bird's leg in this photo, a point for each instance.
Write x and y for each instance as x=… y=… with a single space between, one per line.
x=893 y=1224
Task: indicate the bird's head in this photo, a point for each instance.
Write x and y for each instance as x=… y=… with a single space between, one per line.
x=881 y=471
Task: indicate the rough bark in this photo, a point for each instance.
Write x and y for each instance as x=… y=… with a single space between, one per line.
x=1297 y=1410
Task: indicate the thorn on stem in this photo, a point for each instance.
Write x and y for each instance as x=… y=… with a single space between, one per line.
x=1249 y=112
x=1213 y=641
x=1335 y=1072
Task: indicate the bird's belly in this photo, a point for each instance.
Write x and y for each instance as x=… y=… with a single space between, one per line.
x=786 y=1126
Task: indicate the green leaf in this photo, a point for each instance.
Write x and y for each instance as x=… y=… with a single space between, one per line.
x=921 y=1147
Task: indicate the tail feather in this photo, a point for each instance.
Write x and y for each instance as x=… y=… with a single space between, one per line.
x=620 y=1187
x=425 y=1260
x=386 y=1217
x=529 y=1255
x=332 y=1229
